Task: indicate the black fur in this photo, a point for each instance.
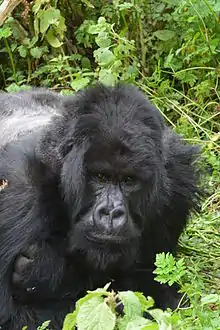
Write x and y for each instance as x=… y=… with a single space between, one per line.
x=52 y=150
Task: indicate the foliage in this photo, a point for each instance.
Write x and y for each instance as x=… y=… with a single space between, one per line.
x=127 y=310
x=98 y=310
x=171 y=50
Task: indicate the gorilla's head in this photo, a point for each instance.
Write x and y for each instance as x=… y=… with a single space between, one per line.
x=112 y=171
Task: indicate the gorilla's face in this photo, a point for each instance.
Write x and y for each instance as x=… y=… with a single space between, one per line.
x=112 y=215
x=111 y=176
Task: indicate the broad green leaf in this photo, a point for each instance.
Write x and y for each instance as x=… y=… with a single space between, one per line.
x=48 y=17
x=140 y=323
x=61 y=27
x=132 y=304
x=107 y=78
x=104 y=56
x=94 y=29
x=37 y=5
x=22 y=51
x=164 y=34
x=95 y=315
x=36 y=52
x=165 y=320
x=78 y=84
x=52 y=39
x=101 y=20
x=102 y=40
x=132 y=308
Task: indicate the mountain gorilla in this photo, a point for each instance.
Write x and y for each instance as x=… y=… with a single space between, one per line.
x=92 y=187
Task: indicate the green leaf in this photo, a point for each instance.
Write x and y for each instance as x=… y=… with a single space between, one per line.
x=107 y=77
x=95 y=315
x=16 y=88
x=32 y=42
x=80 y=83
x=101 y=20
x=37 y=5
x=132 y=304
x=36 y=52
x=125 y=5
x=5 y=32
x=164 y=34
x=52 y=39
x=70 y=321
x=165 y=320
x=94 y=29
x=145 y=302
x=186 y=77
x=61 y=27
x=168 y=270
x=104 y=56
x=22 y=51
x=141 y=323
x=212 y=298
x=44 y=326
x=102 y=39
x=132 y=308
x=85 y=63
x=49 y=17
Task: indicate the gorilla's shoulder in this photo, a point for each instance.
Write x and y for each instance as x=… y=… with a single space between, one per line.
x=40 y=97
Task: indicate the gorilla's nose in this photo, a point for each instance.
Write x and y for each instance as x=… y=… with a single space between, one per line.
x=109 y=219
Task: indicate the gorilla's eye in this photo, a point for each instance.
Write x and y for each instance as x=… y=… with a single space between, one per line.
x=129 y=179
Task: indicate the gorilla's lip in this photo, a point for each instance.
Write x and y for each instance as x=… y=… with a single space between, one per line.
x=104 y=238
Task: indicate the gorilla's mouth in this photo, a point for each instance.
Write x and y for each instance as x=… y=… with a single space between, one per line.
x=102 y=238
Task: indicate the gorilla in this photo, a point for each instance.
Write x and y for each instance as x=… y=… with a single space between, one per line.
x=93 y=186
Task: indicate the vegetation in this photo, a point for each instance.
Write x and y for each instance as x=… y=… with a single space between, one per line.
x=171 y=50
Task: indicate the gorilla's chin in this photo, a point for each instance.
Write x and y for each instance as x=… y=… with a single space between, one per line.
x=103 y=252
x=110 y=258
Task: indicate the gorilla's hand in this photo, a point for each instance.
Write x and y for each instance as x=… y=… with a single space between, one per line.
x=37 y=271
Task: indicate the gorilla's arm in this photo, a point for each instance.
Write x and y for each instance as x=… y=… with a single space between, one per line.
x=30 y=207
x=28 y=217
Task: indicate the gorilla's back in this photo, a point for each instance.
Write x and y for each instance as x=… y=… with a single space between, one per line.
x=25 y=113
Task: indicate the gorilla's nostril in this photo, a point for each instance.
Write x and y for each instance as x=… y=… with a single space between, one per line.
x=117 y=213
x=104 y=211
x=100 y=212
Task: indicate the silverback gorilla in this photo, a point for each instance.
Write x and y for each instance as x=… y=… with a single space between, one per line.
x=92 y=187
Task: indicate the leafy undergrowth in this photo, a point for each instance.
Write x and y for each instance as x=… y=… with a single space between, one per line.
x=107 y=310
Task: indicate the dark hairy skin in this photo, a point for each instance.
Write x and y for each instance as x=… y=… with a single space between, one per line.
x=97 y=184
